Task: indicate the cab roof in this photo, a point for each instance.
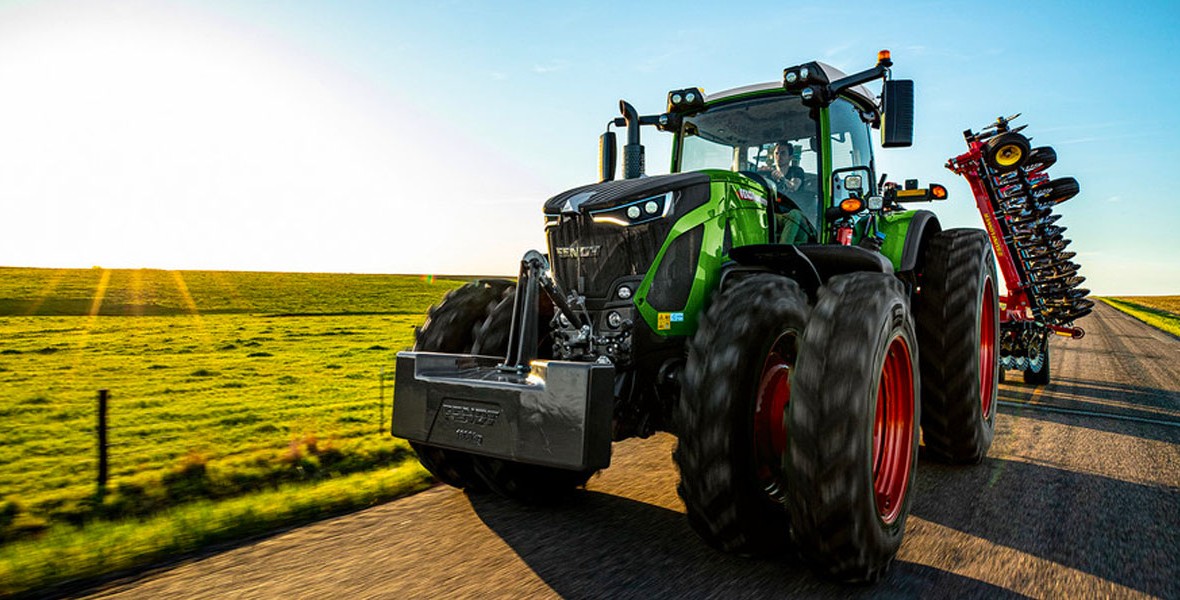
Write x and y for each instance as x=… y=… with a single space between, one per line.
x=858 y=93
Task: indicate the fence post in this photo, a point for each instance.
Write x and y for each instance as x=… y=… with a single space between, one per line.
x=102 y=443
x=381 y=405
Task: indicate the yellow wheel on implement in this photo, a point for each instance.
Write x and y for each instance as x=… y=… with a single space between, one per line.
x=1009 y=155
x=1006 y=152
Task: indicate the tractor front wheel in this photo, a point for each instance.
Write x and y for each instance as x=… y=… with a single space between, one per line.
x=852 y=444
x=730 y=419
x=525 y=483
x=451 y=326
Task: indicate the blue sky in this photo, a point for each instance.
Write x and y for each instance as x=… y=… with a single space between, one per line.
x=399 y=137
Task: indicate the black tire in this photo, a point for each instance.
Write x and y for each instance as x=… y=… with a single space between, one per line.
x=1040 y=158
x=847 y=506
x=1006 y=152
x=1039 y=375
x=741 y=353
x=525 y=483
x=451 y=326
x=958 y=318
x=1056 y=191
x=534 y=485
x=491 y=336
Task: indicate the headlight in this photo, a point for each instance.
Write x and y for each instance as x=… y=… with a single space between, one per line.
x=637 y=212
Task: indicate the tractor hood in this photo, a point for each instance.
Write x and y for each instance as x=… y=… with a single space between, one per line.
x=603 y=234
x=608 y=194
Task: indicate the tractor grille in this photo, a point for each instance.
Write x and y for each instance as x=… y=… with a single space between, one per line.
x=601 y=253
x=590 y=257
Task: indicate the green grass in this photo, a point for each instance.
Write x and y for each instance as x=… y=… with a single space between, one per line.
x=69 y=554
x=1161 y=312
x=150 y=292
x=222 y=385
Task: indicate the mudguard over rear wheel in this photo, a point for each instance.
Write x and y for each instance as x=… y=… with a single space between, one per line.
x=729 y=421
x=852 y=434
x=958 y=321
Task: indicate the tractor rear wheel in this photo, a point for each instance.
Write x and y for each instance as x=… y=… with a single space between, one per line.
x=852 y=424
x=958 y=319
x=451 y=326
x=525 y=483
x=730 y=419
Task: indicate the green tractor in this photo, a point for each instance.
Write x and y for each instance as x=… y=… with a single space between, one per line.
x=770 y=303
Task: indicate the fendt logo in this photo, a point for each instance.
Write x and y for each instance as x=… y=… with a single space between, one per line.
x=577 y=251
x=470 y=415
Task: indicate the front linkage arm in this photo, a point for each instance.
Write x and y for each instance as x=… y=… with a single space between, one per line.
x=522 y=337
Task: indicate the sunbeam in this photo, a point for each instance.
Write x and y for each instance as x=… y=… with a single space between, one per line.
x=54 y=280
x=191 y=306
x=137 y=300
x=100 y=293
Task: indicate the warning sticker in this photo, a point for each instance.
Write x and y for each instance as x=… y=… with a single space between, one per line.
x=664 y=321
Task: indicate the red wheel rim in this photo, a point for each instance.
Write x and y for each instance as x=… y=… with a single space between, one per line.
x=987 y=349
x=893 y=431
x=774 y=395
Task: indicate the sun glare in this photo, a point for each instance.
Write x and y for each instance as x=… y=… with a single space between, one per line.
x=100 y=293
x=169 y=136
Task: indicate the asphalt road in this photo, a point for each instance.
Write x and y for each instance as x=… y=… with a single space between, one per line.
x=1078 y=498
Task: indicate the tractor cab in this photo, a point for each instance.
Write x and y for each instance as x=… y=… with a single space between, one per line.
x=828 y=145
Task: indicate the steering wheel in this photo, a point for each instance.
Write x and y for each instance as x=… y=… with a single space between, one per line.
x=782 y=202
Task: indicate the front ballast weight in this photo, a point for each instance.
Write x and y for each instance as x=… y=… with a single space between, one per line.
x=518 y=407
x=1016 y=198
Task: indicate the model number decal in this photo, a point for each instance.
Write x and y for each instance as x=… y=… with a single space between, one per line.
x=471 y=437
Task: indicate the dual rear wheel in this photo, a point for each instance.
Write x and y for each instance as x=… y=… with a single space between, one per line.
x=802 y=422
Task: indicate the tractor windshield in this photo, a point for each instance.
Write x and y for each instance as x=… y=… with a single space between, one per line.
x=774 y=136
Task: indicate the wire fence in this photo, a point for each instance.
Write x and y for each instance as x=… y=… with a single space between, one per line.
x=111 y=433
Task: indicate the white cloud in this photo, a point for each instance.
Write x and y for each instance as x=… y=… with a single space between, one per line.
x=552 y=66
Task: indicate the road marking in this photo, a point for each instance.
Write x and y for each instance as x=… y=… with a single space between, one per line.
x=948 y=549
x=1086 y=413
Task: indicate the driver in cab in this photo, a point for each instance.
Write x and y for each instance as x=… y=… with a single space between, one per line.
x=785 y=171
x=792 y=224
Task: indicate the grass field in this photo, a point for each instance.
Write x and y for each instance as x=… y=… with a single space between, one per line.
x=221 y=384
x=1161 y=312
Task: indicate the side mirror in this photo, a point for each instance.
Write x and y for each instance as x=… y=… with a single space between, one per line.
x=897 y=123
x=607 y=155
